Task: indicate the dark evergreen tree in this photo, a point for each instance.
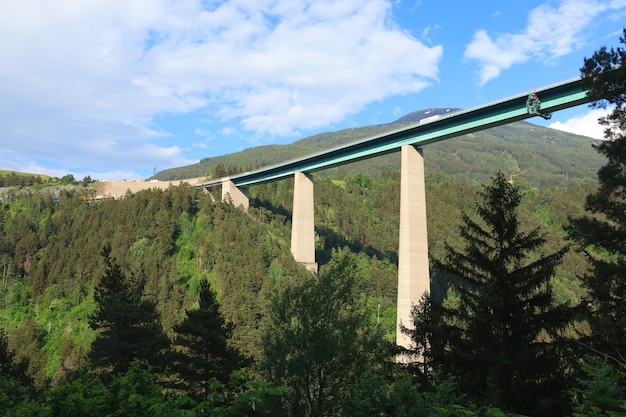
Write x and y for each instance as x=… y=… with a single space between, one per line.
x=11 y=367
x=501 y=331
x=604 y=76
x=602 y=231
x=202 y=346
x=424 y=335
x=128 y=326
x=599 y=391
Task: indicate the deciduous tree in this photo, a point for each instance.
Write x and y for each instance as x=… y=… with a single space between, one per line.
x=319 y=343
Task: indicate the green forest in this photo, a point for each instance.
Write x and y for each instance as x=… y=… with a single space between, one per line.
x=172 y=303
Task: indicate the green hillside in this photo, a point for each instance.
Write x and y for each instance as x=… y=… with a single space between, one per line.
x=14 y=178
x=50 y=250
x=549 y=157
x=167 y=243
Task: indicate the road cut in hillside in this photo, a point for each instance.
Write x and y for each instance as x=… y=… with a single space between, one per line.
x=117 y=189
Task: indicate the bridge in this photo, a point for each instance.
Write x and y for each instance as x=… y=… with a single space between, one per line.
x=413 y=271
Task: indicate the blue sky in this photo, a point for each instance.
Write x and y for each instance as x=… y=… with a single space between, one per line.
x=118 y=88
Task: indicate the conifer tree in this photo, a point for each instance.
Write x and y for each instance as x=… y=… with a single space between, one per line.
x=202 y=343
x=11 y=367
x=501 y=331
x=602 y=231
x=128 y=326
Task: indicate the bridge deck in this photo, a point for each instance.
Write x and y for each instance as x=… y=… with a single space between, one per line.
x=554 y=97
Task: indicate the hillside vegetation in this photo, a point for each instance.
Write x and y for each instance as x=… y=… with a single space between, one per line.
x=170 y=242
x=549 y=157
x=51 y=253
x=14 y=178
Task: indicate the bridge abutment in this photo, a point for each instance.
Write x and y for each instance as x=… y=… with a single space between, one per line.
x=302 y=222
x=413 y=271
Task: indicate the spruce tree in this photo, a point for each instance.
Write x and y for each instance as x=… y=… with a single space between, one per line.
x=128 y=326
x=602 y=231
x=202 y=346
x=501 y=330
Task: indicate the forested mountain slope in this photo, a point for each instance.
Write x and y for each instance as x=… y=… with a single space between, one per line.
x=94 y=286
x=168 y=240
x=549 y=157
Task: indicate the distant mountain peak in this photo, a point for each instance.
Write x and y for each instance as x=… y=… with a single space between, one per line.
x=418 y=115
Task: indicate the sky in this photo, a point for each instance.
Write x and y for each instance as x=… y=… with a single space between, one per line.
x=120 y=89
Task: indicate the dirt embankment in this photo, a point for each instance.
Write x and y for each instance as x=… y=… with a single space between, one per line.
x=117 y=189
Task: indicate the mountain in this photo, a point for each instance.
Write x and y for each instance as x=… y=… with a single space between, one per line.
x=547 y=157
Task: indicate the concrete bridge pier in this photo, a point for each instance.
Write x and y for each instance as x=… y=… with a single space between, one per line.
x=302 y=222
x=413 y=271
x=238 y=196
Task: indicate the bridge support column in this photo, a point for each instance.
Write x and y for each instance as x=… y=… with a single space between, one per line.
x=413 y=272
x=238 y=196
x=302 y=223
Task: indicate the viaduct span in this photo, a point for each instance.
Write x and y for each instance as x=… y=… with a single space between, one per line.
x=413 y=271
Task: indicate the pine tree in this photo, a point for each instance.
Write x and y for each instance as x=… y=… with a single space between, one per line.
x=500 y=331
x=602 y=231
x=202 y=343
x=128 y=326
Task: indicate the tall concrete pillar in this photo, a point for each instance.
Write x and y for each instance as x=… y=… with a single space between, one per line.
x=413 y=272
x=302 y=223
x=238 y=196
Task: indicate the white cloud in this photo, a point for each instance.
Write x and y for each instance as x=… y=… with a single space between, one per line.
x=585 y=125
x=86 y=80
x=550 y=33
x=228 y=131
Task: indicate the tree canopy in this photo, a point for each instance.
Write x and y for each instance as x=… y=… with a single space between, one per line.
x=319 y=343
